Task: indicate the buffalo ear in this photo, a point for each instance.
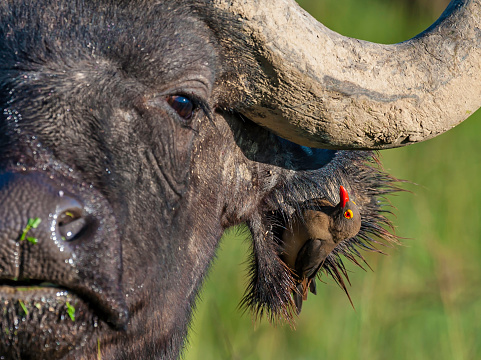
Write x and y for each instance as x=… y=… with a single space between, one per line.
x=270 y=281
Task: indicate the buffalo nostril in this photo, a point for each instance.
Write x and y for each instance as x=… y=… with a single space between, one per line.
x=71 y=225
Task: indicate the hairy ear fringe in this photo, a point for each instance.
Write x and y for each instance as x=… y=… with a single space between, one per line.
x=270 y=281
x=269 y=290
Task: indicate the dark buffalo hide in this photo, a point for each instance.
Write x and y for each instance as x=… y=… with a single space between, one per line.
x=118 y=134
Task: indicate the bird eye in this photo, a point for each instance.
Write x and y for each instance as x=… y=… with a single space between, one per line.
x=182 y=105
x=348 y=214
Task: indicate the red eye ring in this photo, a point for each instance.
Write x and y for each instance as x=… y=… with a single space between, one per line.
x=348 y=214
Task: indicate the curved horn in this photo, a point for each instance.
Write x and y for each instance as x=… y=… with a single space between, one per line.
x=327 y=90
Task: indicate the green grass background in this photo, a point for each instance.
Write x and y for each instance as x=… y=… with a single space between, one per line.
x=423 y=300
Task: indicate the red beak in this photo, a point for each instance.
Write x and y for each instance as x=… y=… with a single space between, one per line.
x=344 y=196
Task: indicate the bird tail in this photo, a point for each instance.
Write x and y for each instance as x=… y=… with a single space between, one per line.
x=298 y=296
x=300 y=293
x=312 y=286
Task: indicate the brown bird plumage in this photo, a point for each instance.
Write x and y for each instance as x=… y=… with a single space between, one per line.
x=313 y=235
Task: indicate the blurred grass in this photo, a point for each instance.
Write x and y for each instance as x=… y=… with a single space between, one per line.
x=421 y=301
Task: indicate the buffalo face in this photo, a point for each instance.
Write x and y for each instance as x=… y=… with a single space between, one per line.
x=101 y=140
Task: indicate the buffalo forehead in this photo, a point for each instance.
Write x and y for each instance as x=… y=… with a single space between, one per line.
x=155 y=47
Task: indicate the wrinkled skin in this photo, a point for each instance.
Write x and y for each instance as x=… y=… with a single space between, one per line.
x=84 y=90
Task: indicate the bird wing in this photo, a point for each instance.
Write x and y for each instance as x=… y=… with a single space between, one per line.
x=308 y=262
x=309 y=258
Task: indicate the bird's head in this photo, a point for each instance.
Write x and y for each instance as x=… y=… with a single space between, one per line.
x=347 y=219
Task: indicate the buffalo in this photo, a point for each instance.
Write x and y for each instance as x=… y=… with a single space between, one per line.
x=134 y=132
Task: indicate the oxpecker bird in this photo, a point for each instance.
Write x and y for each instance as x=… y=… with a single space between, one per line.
x=312 y=236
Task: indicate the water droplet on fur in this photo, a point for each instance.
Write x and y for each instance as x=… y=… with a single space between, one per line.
x=16 y=256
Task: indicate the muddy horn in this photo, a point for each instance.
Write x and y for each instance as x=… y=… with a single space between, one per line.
x=326 y=90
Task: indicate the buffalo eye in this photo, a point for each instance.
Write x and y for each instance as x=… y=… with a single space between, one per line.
x=182 y=105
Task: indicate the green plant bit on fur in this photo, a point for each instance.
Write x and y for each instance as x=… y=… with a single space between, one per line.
x=99 y=354
x=31 y=224
x=70 y=311
x=32 y=240
x=24 y=308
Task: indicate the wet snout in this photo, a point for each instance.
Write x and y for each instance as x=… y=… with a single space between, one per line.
x=39 y=224
x=56 y=234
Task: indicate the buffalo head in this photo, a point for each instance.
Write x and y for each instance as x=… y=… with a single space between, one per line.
x=133 y=133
